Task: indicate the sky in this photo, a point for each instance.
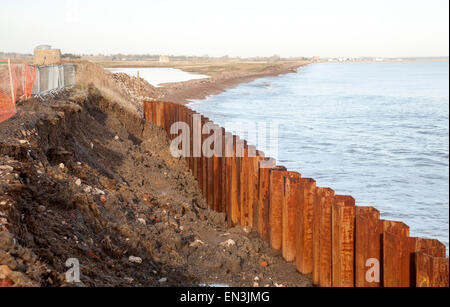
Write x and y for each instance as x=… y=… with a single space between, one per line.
x=327 y=28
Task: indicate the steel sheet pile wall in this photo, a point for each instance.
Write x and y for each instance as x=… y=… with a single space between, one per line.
x=326 y=235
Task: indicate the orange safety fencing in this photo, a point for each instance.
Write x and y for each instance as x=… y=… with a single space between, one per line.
x=16 y=83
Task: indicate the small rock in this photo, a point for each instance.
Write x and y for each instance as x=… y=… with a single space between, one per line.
x=7 y=241
x=234 y=264
x=62 y=166
x=42 y=208
x=256 y=278
x=163 y=280
x=99 y=192
x=142 y=221
x=92 y=145
x=228 y=243
x=128 y=279
x=6 y=168
x=133 y=259
x=247 y=229
x=4 y=271
x=87 y=189
x=78 y=182
x=116 y=137
x=23 y=142
x=255 y=284
x=197 y=243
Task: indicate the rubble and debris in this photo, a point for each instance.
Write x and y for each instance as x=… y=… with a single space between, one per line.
x=95 y=207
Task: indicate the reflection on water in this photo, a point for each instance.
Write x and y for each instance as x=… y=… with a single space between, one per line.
x=377 y=131
x=159 y=75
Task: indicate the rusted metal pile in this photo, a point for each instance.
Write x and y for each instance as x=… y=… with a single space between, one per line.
x=326 y=235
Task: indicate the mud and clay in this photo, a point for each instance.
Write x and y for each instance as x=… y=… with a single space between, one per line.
x=84 y=176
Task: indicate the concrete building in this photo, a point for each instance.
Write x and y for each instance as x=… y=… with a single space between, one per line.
x=45 y=55
x=164 y=59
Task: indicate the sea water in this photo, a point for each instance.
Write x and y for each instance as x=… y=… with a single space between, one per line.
x=157 y=76
x=376 y=131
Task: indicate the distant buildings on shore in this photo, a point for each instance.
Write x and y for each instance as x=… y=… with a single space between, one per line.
x=164 y=59
x=45 y=55
x=379 y=59
x=360 y=59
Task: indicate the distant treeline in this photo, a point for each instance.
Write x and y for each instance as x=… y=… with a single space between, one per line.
x=155 y=57
x=14 y=55
x=150 y=57
x=70 y=56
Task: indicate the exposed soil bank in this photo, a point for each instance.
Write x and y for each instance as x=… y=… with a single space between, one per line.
x=81 y=176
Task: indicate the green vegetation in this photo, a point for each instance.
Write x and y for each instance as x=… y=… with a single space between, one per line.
x=71 y=56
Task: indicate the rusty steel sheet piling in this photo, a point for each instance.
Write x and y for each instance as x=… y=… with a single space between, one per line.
x=228 y=161
x=244 y=184
x=368 y=258
x=431 y=271
x=210 y=171
x=235 y=178
x=322 y=237
x=340 y=244
x=399 y=258
x=327 y=201
x=254 y=189
x=305 y=211
x=204 y=162
x=264 y=197
x=289 y=217
x=343 y=233
x=275 y=208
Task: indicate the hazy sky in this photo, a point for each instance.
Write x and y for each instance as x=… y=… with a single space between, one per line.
x=232 y=27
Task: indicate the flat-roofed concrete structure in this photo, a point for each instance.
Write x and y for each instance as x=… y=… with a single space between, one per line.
x=45 y=55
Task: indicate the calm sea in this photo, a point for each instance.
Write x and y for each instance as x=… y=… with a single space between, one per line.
x=376 y=131
x=158 y=75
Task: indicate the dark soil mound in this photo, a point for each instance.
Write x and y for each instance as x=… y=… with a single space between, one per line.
x=82 y=178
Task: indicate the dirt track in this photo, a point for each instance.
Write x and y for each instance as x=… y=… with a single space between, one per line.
x=80 y=177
